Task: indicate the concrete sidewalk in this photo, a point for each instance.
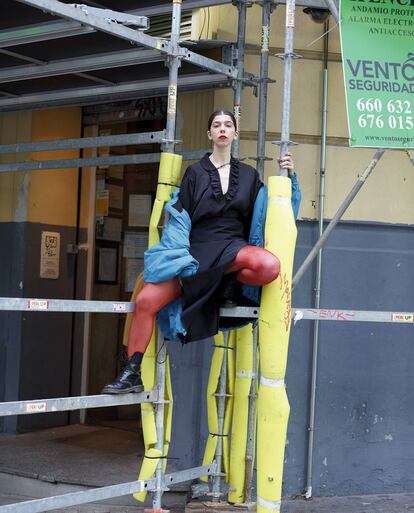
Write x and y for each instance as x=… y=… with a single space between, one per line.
x=78 y=457
x=394 y=503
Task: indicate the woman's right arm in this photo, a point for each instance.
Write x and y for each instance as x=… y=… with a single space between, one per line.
x=186 y=195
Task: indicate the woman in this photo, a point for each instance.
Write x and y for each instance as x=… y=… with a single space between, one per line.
x=218 y=194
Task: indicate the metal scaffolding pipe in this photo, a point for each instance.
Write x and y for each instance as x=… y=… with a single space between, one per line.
x=220 y=414
x=98 y=94
x=133 y=36
x=105 y=492
x=143 y=158
x=251 y=422
x=288 y=57
x=173 y=62
x=85 y=142
x=311 y=428
x=237 y=84
x=336 y=218
x=35 y=406
x=267 y=7
x=107 y=60
x=161 y=360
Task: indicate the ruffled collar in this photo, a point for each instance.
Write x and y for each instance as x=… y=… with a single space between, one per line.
x=215 y=178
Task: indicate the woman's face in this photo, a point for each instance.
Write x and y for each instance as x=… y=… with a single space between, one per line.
x=222 y=130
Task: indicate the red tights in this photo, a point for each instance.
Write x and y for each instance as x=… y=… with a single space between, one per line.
x=254 y=266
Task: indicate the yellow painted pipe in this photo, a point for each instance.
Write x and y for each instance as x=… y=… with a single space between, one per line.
x=228 y=412
x=243 y=379
x=274 y=329
x=149 y=466
x=212 y=404
x=212 y=414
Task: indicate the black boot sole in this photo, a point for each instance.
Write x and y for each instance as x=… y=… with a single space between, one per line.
x=135 y=389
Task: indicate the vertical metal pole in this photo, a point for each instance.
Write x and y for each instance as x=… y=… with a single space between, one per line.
x=267 y=7
x=239 y=62
x=159 y=417
x=220 y=413
x=308 y=490
x=173 y=63
x=288 y=57
x=250 y=427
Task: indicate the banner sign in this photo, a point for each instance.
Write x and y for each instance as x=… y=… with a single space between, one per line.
x=377 y=39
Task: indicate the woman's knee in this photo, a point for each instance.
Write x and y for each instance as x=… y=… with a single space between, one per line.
x=269 y=268
x=144 y=302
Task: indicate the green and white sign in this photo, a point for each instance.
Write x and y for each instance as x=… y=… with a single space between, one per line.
x=377 y=38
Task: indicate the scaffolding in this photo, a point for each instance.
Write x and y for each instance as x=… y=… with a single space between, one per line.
x=84 y=19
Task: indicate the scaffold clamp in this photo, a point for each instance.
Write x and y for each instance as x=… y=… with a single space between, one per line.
x=283 y=56
x=141 y=22
x=289 y=143
x=260 y=157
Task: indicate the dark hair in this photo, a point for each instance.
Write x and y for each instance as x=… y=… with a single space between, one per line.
x=221 y=112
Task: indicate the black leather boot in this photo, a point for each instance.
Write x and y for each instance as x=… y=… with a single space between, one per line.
x=129 y=379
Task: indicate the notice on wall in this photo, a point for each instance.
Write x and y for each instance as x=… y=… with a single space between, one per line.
x=110 y=229
x=107 y=265
x=139 y=212
x=378 y=65
x=116 y=196
x=133 y=267
x=102 y=203
x=135 y=244
x=50 y=255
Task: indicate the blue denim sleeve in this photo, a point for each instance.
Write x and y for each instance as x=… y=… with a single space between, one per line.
x=296 y=195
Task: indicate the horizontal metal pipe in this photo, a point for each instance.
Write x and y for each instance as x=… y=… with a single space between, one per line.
x=37 y=32
x=323 y=314
x=77 y=65
x=73 y=403
x=98 y=94
x=143 y=158
x=45 y=31
x=18 y=304
x=131 y=35
x=85 y=142
x=328 y=314
x=106 y=492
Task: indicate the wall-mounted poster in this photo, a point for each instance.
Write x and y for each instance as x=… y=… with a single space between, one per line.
x=116 y=196
x=139 y=211
x=102 y=203
x=107 y=264
x=50 y=255
x=133 y=267
x=110 y=229
x=135 y=244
